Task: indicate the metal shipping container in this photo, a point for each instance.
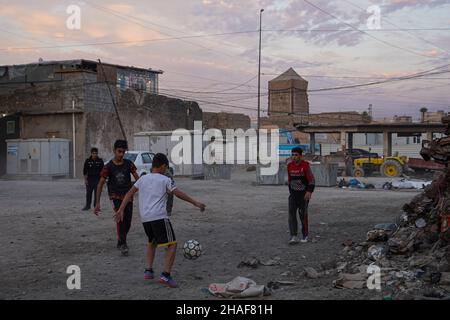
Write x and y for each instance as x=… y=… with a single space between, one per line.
x=38 y=157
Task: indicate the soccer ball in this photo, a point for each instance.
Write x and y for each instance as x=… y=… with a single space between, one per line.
x=192 y=249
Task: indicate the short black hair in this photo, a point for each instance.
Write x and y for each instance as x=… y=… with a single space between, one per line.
x=297 y=150
x=94 y=150
x=160 y=159
x=121 y=144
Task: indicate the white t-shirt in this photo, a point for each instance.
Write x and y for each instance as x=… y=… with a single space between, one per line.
x=153 y=189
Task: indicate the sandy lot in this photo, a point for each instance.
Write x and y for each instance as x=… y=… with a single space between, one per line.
x=43 y=231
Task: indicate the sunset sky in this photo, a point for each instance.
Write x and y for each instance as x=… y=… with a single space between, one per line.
x=208 y=49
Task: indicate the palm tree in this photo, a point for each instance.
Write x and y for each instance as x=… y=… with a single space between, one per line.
x=423 y=111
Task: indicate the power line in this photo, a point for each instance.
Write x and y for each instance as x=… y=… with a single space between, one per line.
x=403 y=30
x=122 y=42
x=149 y=22
x=224 y=90
x=124 y=17
x=365 y=32
x=354 y=30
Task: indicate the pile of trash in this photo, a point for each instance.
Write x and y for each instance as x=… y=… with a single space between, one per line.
x=411 y=255
x=394 y=184
x=354 y=183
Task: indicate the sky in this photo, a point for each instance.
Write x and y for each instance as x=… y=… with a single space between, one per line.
x=208 y=49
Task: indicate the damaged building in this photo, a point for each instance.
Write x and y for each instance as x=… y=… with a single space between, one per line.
x=54 y=99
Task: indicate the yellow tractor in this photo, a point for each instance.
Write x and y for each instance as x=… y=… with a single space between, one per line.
x=387 y=166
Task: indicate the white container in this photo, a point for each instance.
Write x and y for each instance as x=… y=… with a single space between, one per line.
x=160 y=142
x=37 y=157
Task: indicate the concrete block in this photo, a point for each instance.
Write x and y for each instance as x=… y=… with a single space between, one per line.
x=216 y=171
x=280 y=178
x=325 y=175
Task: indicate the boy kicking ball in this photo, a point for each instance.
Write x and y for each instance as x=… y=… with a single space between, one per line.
x=154 y=189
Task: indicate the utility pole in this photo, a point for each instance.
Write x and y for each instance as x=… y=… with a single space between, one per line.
x=259 y=87
x=74 y=149
x=113 y=101
x=370 y=111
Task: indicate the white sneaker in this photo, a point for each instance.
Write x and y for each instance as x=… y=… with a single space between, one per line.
x=304 y=240
x=294 y=240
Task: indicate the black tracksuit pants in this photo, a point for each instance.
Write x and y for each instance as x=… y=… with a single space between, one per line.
x=298 y=204
x=91 y=187
x=123 y=226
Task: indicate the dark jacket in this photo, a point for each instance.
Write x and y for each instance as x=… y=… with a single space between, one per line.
x=92 y=168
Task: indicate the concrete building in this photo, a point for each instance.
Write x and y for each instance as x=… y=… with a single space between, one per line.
x=225 y=120
x=434 y=117
x=47 y=97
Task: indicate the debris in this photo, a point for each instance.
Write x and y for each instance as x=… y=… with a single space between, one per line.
x=421 y=223
x=414 y=252
x=239 y=287
x=251 y=263
x=410 y=184
x=377 y=235
x=347 y=243
x=419 y=261
x=271 y=262
x=286 y=274
x=377 y=252
x=445 y=278
x=387 y=186
x=355 y=183
x=328 y=264
x=351 y=281
x=386 y=226
x=311 y=273
x=274 y=285
x=254 y=263
x=342 y=184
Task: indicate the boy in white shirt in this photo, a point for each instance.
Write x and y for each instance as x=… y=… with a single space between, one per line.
x=153 y=193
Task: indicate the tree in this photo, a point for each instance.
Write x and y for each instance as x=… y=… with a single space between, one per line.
x=423 y=110
x=366 y=116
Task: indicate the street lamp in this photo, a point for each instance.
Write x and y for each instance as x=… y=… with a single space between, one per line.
x=259 y=86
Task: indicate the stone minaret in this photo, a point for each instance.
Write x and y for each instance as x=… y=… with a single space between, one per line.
x=288 y=95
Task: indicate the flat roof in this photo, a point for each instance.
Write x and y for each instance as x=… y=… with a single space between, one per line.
x=372 y=127
x=162 y=133
x=81 y=61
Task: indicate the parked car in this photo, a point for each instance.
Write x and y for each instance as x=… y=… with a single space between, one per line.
x=143 y=161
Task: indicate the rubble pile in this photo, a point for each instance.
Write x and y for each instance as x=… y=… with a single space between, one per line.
x=413 y=253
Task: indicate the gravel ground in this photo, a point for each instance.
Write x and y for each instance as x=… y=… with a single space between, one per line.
x=43 y=231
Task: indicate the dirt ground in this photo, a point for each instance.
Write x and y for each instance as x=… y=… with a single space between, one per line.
x=43 y=231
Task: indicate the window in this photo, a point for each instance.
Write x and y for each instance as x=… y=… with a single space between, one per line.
x=146 y=158
x=131 y=156
x=10 y=127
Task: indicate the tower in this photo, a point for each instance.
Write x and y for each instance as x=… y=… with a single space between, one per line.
x=288 y=94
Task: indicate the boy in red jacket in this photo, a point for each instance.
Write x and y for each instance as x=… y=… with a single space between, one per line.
x=301 y=186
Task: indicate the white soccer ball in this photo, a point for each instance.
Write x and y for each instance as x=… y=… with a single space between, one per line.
x=192 y=249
